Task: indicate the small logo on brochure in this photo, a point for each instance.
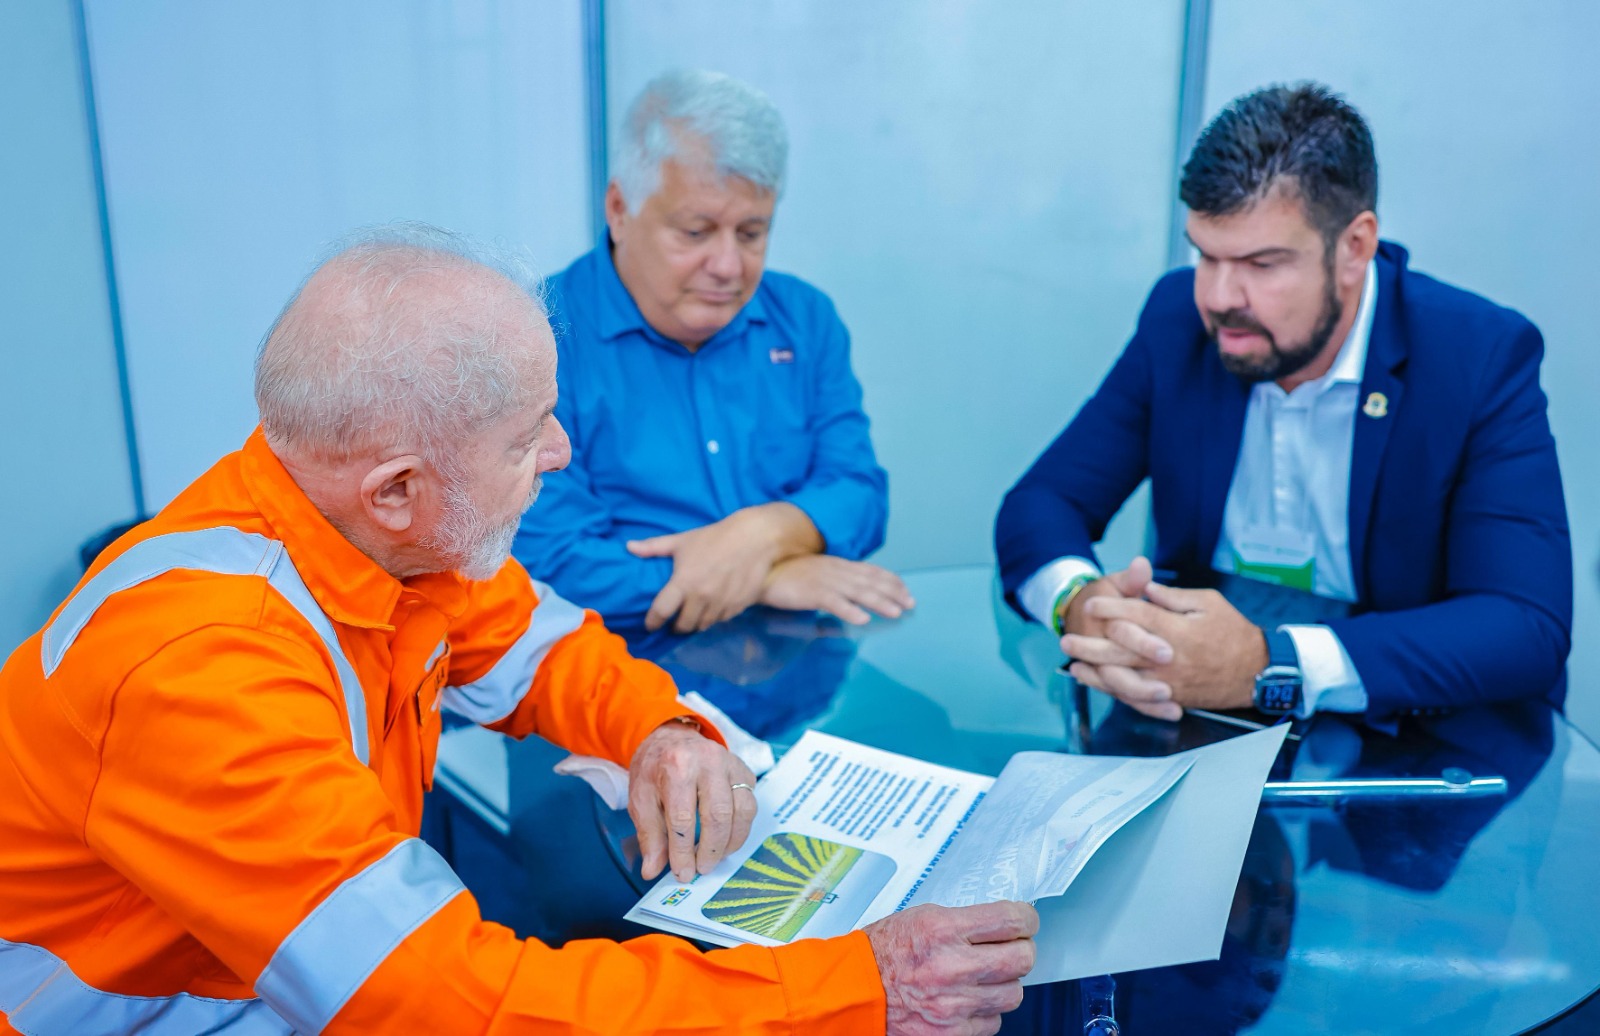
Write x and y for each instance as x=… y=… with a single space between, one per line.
x=675 y=897
x=780 y=355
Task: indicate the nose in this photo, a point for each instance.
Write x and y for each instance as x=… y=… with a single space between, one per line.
x=556 y=452
x=1219 y=288
x=723 y=260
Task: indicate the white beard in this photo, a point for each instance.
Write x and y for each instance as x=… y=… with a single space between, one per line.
x=467 y=542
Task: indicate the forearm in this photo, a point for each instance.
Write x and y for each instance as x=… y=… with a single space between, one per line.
x=1037 y=526
x=596 y=572
x=1463 y=651
x=590 y=696
x=1061 y=505
x=849 y=510
x=783 y=529
x=459 y=974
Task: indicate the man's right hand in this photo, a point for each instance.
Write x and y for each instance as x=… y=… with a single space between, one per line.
x=848 y=589
x=953 y=970
x=718 y=570
x=1115 y=656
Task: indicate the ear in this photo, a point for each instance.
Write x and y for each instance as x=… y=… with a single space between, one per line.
x=616 y=211
x=391 y=492
x=1357 y=245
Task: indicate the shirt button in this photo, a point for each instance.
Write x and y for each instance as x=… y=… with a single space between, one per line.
x=713 y=447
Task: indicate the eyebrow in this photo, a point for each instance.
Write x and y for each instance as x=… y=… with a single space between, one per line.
x=1260 y=253
x=533 y=432
x=689 y=216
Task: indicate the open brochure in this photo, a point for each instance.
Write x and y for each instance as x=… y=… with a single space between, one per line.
x=847 y=834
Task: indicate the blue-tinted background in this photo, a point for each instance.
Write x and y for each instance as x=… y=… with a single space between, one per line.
x=986 y=190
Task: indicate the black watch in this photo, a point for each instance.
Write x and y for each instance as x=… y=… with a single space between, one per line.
x=1279 y=687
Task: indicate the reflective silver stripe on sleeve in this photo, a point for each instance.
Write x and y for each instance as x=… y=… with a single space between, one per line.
x=40 y=996
x=491 y=698
x=338 y=946
x=225 y=551
x=285 y=579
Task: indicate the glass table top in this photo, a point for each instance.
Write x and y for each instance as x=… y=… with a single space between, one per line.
x=1457 y=916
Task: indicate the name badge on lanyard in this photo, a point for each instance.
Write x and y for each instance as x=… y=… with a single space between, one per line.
x=1282 y=557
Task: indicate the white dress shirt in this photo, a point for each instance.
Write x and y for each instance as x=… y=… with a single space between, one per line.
x=1293 y=473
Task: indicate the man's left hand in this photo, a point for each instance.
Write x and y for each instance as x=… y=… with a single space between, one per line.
x=1216 y=651
x=848 y=589
x=677 y=776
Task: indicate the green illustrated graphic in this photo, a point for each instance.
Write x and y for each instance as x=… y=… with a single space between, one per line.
x=792 y=881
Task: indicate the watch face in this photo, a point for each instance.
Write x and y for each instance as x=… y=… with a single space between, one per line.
x=1278 y=692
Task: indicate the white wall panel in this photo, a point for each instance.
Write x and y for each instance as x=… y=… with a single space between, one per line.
x=61 y=427
x=983 y=188
x=240 y=138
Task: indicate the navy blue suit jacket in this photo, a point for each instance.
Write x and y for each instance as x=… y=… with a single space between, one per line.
x=1458 y=528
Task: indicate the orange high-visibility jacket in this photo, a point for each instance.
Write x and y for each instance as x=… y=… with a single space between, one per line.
x=212 y=763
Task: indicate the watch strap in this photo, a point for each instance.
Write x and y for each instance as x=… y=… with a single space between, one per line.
x=1280 y=649
x=1279 y=688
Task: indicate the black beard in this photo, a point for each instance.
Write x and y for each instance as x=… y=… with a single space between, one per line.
x=1284 y=361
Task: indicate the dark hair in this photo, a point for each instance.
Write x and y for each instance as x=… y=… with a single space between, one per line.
x=1302 y=137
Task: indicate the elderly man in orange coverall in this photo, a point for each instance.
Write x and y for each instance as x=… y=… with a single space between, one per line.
x=212 y=758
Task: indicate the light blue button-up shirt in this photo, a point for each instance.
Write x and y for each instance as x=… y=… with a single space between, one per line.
x=1293 y=472
x=665 y=440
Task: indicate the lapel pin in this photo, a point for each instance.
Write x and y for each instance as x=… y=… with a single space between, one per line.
x=1377 y=405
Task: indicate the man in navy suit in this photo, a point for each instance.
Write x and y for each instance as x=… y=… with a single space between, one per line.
x=1333 y=440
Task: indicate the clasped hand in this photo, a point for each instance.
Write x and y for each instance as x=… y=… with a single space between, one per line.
x=1161 y=649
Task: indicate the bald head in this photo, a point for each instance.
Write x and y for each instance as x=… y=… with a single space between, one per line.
x=409 y=389
x=408 y=339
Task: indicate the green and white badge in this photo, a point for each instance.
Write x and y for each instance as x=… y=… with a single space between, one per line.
x=1282 y=557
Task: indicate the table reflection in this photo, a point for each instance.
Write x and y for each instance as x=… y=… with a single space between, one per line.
x=1448 y=916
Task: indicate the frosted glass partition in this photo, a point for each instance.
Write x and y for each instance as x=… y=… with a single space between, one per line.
x=241 y=137
x=985 y=192
x=66 y=455
x=1487 y=156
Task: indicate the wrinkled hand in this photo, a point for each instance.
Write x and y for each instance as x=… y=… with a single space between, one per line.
x=1114 y=654
x=676 y=776
x=718 y=569
x=848 y=589
x=953 y=971
x=1216 y=651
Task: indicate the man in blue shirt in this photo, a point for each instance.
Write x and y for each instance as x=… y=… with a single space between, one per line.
x=720 y=455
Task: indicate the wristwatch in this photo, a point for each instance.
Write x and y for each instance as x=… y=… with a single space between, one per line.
x=1279 y=687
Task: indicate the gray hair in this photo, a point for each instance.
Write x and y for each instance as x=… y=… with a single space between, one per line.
x=372 y=352
x=681 y=112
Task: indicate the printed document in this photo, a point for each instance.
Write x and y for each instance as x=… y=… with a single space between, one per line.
x=847 y=834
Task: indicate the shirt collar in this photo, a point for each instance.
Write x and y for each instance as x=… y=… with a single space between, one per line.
x=1352 y=359
x=351 y=587
x=619 y=315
